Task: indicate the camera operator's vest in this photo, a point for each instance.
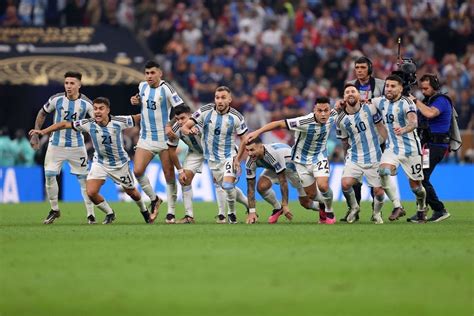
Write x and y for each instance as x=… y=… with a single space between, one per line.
x=452 y=138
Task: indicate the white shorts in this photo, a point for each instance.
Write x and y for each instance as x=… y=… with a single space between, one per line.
x=57 y=155
x=153 y=146
x=292 y=177
x=193 y=162
x=356 y=171
x=222 y=169
x=411 y=165
x=121 y=176
x=309 y=173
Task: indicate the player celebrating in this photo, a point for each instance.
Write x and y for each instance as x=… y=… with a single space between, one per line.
x=356 y=127
x=156 y=98
x=220 y=124
x=110 y=158
x=276 y=160
x=310 y=152
x=65 y=145
x=192 y=165
x=403 y=145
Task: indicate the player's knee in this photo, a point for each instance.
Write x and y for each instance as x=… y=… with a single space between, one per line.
x=324 y=187
x=379 y=193
x=385 y=171
x=138 y=172
x=91 y=192
x=417 y=189
x=305 y=202
x=346 y=185
x=228 y=185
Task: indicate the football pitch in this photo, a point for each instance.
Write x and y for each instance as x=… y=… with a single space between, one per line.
x=297 y=268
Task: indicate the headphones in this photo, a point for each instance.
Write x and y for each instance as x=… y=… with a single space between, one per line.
x=365 y=60
x=434 y=81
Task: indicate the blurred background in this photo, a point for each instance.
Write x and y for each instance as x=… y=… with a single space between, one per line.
x=276 y=56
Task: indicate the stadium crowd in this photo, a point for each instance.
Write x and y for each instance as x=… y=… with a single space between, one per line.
x=278 y=56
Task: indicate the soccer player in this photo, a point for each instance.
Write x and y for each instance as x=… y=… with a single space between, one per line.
x=110 y=158
x=369 y=87
x=276 y=160
x=356 y=127
x=156 y=98
x=220 y=123
x=310 y=152
x=403 y=145
x=192 y=165
x=65 y=145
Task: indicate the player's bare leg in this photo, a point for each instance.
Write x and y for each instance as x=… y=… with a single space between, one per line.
x=93 y=187
x=171 y=189
x=141 y=160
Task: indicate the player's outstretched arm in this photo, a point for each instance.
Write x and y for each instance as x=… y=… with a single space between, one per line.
x=34 y=141
x=252 y=215
x=266 y=128
x=52 y=128
x=284 y=195
x=187 y=129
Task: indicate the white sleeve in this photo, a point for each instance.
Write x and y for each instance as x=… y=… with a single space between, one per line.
x=50 y=106
x=82 y=125
x=173 y=98
x=299 y=123
x=251 y=168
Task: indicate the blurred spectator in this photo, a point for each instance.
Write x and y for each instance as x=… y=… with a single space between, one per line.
x=126 y=14
x=10 y=18
x=8 y=150
x=25 y=155
x=74 y=12
x=32 y=12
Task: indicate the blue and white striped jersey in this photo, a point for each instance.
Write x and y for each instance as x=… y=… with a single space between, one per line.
x=193 y=142
x=68 y=110
x=277 y=157
x=395 y=115
x=156 y=105
x=361 y=131
x=311 y=138
x=107 y=140
x=219 y=130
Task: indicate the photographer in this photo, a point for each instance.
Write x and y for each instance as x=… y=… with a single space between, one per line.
x=434 y=116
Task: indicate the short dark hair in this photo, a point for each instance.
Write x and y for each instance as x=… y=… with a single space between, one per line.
x=73 y=74
x=151 y=63
x=395 y=78
x=182 y=108
x=223 y=88
x=349 y=84
x=322 y=100
x=256 y=140
x=432 y=79
x=102 y=100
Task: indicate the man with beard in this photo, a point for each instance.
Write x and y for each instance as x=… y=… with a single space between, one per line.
x=403 y=146
x=310 y=152
x=356 y=127
x=220 y=123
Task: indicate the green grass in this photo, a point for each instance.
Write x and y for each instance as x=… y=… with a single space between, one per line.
x=298 y=268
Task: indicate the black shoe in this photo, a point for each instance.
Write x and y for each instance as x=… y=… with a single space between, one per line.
x=220 y=219
x=419 y=217
x=232 y=218
x=170 y=219
x=91 y=219
x=52 y=216
x=155 y=205
x=146 y=217
x=439 y=216
x=109 y=218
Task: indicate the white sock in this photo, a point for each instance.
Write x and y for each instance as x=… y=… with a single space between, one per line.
x=171 y=195
x=241 y=198
x=327 y=197
x=146 y=187
x=378 y=203
x=314 y=206
x=351 y=198
x=188 y=200
x=141 y=205
x=87 y=201
x=390 y=190
x=319 y=197
x=420 y=194
x=52 y=190
x=105 y=207
x=221 y=199
x=230 y=198
x=271 y=198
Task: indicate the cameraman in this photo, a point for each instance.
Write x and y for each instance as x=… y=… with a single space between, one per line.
x=369 y=87
x=434 y=117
